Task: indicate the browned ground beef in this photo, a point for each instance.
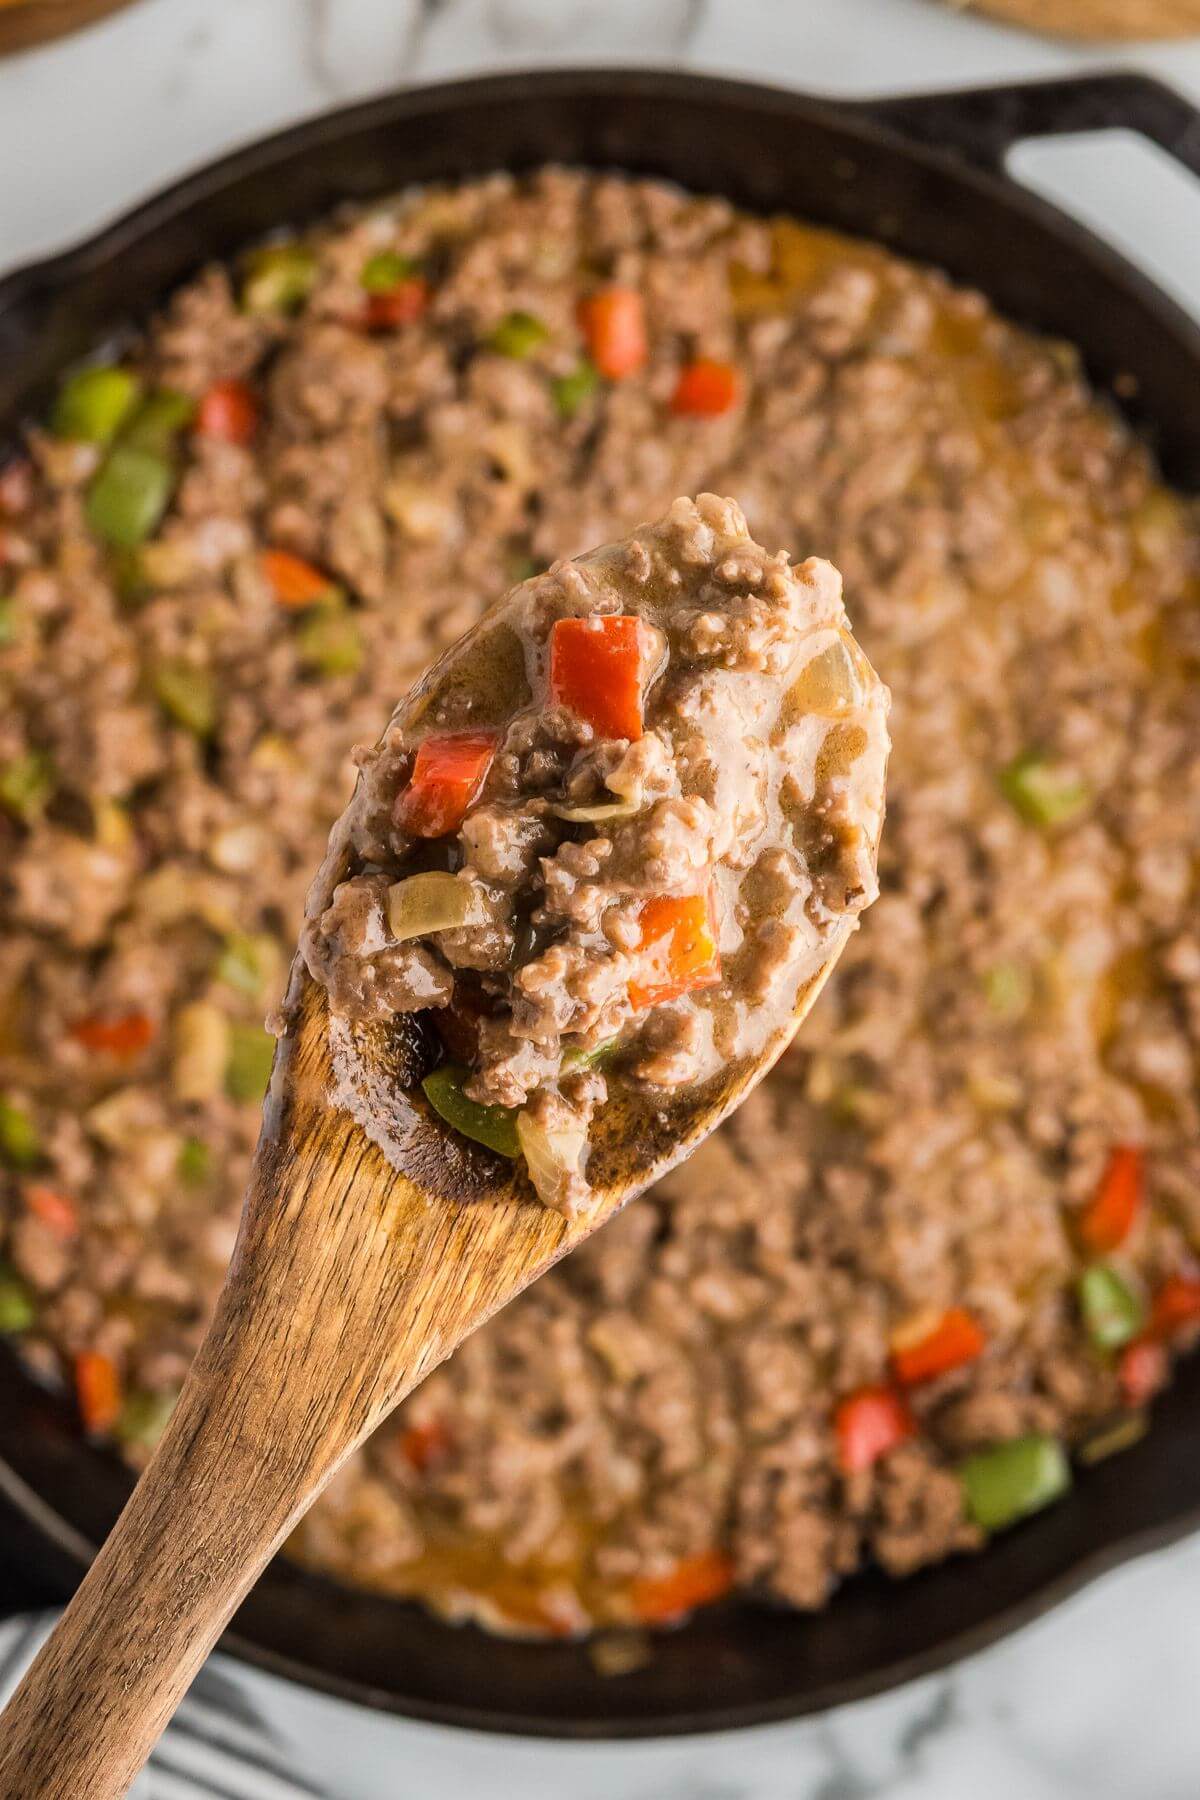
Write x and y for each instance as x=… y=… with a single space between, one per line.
x=1027 y=997
x=662 y=727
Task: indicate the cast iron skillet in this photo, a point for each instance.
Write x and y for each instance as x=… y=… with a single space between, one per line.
x=925 y=176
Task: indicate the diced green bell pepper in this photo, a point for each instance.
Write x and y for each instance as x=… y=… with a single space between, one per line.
x=129 y=576
x=8 y=622
x=279 y=278
x=246 y=960
x=571 y=391
x=493 y=1126
x=188 y=695
x=17 y=1309
x=1042 y=791
x=194 y=1163
x=248 y=1070
x=385 y=271
x=1008 y=989
x=330 y=641
x=143 y=1417
x=159 y=420
x=132 y=488
x=518 y=335
x=26 y=783
x=129 y=495
x=1119 y=1434
x=93 y=404
x=1112 y=1312
x=599 y=1058
x=1012 y=1480
x=20 y=1146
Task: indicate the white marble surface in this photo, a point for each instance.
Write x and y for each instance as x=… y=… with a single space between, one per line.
x=1097 y=1702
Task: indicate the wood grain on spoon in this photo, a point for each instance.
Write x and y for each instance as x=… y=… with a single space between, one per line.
x=373 y=1240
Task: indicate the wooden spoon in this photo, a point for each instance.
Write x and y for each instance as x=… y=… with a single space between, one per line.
x=1097 y=19
x=24 y=23
x=373 y=1240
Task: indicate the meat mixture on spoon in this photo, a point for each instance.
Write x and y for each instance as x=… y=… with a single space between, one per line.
x=609 y=840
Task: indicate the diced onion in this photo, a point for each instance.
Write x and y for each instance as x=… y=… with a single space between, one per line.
x=432 y=902
x=508 y=445
x=596 y=815
x=1119 y=1434
x=200 y=1051
x=170 y=893
x=832 y=682
x=555 y=1160
x=112 y=827
x=424 y=515
x=237 y=849
x=642 y=768
x=121 y=1118
x=166 y=564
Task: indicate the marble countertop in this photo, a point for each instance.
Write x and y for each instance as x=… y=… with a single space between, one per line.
x=1097 y=1701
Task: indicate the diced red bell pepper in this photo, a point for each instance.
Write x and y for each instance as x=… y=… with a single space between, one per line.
x=425 y=1446
x=946 y=1344
x=705 y=389
x=868 y=1424
x=295 y=582
x=1109 y=1216
x=678 y=951
x=596 y=672
x=401 y=305
x=124 y=1035
x=98 y=1390
x=694 y=1581
x=614 y=324
x=1141 y=1370
x=229 y=412
x=1175 y=1306
x=56 y=1211
x=448 y=772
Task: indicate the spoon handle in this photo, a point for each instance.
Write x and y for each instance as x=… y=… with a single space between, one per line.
x=198 y=1529
x=349 y=1283
x=270 y=1408
x=282 y=1389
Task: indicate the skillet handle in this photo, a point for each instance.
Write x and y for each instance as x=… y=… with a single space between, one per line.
x=981 y=125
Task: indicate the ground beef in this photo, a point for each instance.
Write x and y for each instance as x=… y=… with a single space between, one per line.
x=558 y=938
x=562 y=929
x=1027 y=996
x=367 y=975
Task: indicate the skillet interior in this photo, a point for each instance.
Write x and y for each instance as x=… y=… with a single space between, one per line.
x=739 y=1664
